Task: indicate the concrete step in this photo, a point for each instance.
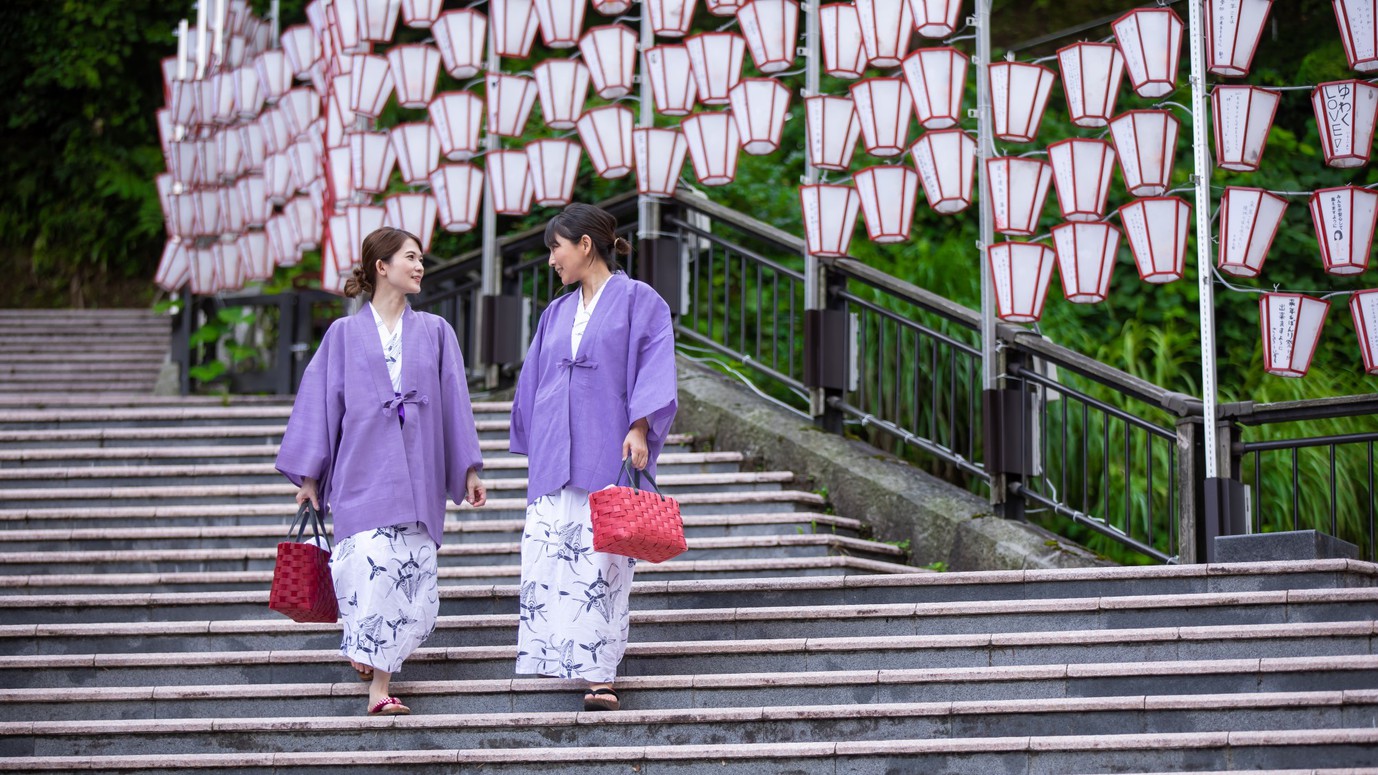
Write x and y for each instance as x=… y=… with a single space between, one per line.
x=159 y=416
x=23 y=442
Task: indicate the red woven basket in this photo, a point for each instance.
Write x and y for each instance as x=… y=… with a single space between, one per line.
x=636 y=523
x=302 y=587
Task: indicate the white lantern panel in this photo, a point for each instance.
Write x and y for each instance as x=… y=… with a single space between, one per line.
x=829 y=218
x=1146 y=144
x=371 y=85
x=1243 y=116
x=460 y=36
x=372 y=158
x=1345 y=114
x=305 y=222
x=1233 y=31
x=669 y=18
x=672 y=80
x=255 y=256
x=1151 y=41
x=1291 y=324
x=208 y=221
x=886 y=28
x=458 y=190
x=1020 y=274
x=610 y=52
x=935 y=18
x=252 y=191
x=659 y=159
x=1085 y=259
x=414 y=71
x=1363 y=305
x=413 y=213
x=421 y=14
x=715 y=59
x=1358 y=20
x=510 y=99
x=1157 y=230
x=1018 y=191
x=759 y=106
x=1344 y=218
x=255 y=148
x=562 y=85
x=554 y=166
x=339 y=173
x=231 y=210
x=514 y=27
x=606 y=133
x=832 y=129
x=771 y=28
x=360 y=221
x=946 y=162
x=937 y=79
x=844 y=55
x=1249 y=220
x=1081 y=173
x=377 y=19
x=1019 y=95
x=509 y=182
x=560 y=22
x=229 y=268
x=344 y=31
x=1091 y=74
x=418 y=151
x=277 y=175
x=458 y=121
x=249 y=95
x=276 y=134
x=888 y=195
x=713 y=146
x=205 y=271
x=884 y=107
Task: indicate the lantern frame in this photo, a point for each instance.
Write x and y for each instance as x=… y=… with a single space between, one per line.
x=1078 y=203
x=889 y=195
x=723 y=7
x=252 y=191
x=936 y=78
x=610 y=52
x=1361 y=44
x=829 y=223
x=509 y=102
x=205 y=271
x=659 y=155
x=1150 y=76
x=672 y=79
x=249 y=88
x=460 y=35
x=370 y=86
x=361 y=220
x=611 y=156
x=562 y=86
x=458 y=121
x=935 y=18
x=1252 y=251
x=1145 y=157
x=458 y=191
x=831 y=131
x=229 y=268
x=1086 y=255
x=934 y=164
x=1017 y=106
x=554 y=167
x=1016 y=210
x=670 y=18
x=371 y=159
x=255 y=255
x=509 y=182
x=714 y=145
x=1247 y=27
x=1355 y=227
x=1268 y=316
x=339 y=172
x=174 y=267
x=1363 y=306
x=415 y=68
x=844 y=53
x=885 y=40
x=760 y=106
x=560 y=22
x=1345 y=115
x=883 y=108
x=1087 y=107
x=514 y=27
x=1160 y=258
x=1007 y=257
x=715 y=60
x=1244 y=152
x=772 y=49
x=414 y=213
x=421 y=14
x=417 y=146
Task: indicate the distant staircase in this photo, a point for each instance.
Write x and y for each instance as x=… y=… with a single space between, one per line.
x=82 y=351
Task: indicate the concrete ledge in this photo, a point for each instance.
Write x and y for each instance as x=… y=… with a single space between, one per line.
x=1290 y=545
x=941 y=522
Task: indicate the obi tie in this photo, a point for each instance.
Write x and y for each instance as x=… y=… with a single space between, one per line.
x=399 y=401
x=582 y=362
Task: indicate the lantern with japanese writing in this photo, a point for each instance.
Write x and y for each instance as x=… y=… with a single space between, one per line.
x=946 y=161
x=560 y=21
x=1145 y=142
x=514 y=27
x=509 y=182
x=510 y=99
x=418 y=151
x=1156 y=229
x=829 y=217
x=935 y=18
x=606 y=133
x=886 y=27
x=1085 y=258
x=1358 y=20
x=414 y=70
x=1081 y=173
x=553 y=166
x=672 y=79
x=563 y=85
x=888 y=194
x=832 y=130
x=1344 y=218
x=1291 y=324
x=1233 y=30
x=713 y=146
x=1249 y=220
x=760 y=106
x=715 y=59
x=1243 y=115
x=1018 y=191
x=771 y=28
x=1020 y=274
x=371 y=84
x=659 y=159
x=460 y=36
x=884 y=107
x=1363 y=305
x=414 y=213
x=1345 y=113
x=610 y=52
x=669 y=18
x=458 y=190
x=421 y=14
x=1091 y=74
x=371 y=159
x=844 y=56
x=1151 y=41
x=458 y=119
x=1019 y=95
x=936 y=79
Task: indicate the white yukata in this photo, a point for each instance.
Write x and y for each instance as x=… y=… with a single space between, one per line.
x=574 y=601
x=385 y=578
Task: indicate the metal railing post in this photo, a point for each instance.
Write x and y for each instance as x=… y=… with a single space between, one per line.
x=1191 y=490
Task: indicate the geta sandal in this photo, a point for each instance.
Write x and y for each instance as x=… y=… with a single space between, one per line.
x=388 y=706
x=602 y=699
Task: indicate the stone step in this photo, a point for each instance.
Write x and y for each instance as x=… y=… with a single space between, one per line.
x=158 y=416
x=101 y=359
x=26 y=389
x=105 y=370
x=1170 y=714
x=22 y=441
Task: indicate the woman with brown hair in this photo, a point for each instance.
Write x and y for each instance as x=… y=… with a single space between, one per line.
x=380 y=432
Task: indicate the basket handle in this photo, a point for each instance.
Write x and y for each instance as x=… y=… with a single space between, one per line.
x=308 y=515
x=634 y=477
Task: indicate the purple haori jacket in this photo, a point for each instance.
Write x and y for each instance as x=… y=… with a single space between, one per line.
x=344 y=431
x=571 y=415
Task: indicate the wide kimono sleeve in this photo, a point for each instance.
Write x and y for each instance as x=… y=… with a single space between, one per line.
x=519 y=433
x=313 y=429
x=460 y=433
x=652 y=387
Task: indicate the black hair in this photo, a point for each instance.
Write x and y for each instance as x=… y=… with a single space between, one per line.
x=578 y=220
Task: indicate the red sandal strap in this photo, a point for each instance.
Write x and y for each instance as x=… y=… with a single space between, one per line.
x=383 y=703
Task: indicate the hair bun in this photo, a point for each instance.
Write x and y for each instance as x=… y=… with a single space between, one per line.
x=621 y=247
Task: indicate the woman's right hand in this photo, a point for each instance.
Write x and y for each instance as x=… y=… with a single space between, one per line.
x=307 y=492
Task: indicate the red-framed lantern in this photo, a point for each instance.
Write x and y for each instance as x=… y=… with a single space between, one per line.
x=371 y=84
x=458 y=121
x=1157 y=228
x=276 y=134
x=723 y=7
x=888 y=195
x=760 y=106
x=509 y=182
x=713 y=146
x=1345 y=114
x=208 y=160
x=553 y=166
x=306 y=162
x=829 y=217
x=510 y=99
x=255 y=147
x=771 y=28
x=1019 y=93
x=208 y=222
x=832 y=130
x=184 y=103
x=205 y=272
x=1151 y=41
x=1249 y=220
x=937 y=79
x=670 y=18
x=606 y=133
x=1081 y=173
x=1018 y=191
x=672 y=79
x=344 y=27
x=274 y=76
x=225 y=110
x=377 y=19
x=560 y=22
x=935 y=18
x=1233 y=31
x=1363 y=305
x=183 y=211
x=339 y=172
x=174 y=268
x=333 y=278
x=884 y=107
x=281 y=241
x=371 y=159
x=1358 y=20
x=1242 y=115
x=418 y=151
x=1020 y=274
x=305 y=222
x=1146 y=143
x=230 y=152
x=1091 y=75
x=277 y=176
x=255 y=255
x=460 y=36
x=231 y=210
x=183 y=162
x=229 y=269
x=514 y=27
x=715 y=59
x=415 y=68
x=414 y=213
x=1344 y=218
x=421 y=14
x=1085 y=259
x=844 y=55
x=302 y=48
x=946 y=161
x=252 y=191
x=562 y=85
x=1291 y=324
x=610 y=51
x=886 y=27
x=360 y=221
x=659 y=158
x=612 y=7
x=458 y=190
x=248 y=92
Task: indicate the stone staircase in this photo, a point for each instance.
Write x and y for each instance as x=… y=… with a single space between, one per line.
x=137 y=537
x=90 y=351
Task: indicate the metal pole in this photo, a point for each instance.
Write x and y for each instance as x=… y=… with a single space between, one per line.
x=985 y=143
x=276 y=12
x=645 y=118
x=490 y=277
x=1202 y=179
x=201 y=38
x=815 y=290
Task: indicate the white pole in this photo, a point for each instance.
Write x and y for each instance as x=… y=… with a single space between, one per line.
x=1201 y=153
x=814 y=291
x=645 y=118
x=490 y=267
x=276 y=13
x=182 y=50
x=201 y=38
x=985 y=142
x=220 y=24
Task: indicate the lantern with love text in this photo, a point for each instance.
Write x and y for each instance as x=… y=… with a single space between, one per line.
x=371 y=85
x=887 y=195
x=514 y=27
x=414 y=70
x=1019 y=95
x=1157 y=229
x=1081 y=173
x=1085 y=259
x=1234 y=28
x=886 y=27
x=1145 y=142
x=1345 y=114
x=606 y=133
x=509 y=182
x=713 y=146
x=562 y=85
x=510 y=99
x=935 y=18
x=829 y=217
x=1291 y=324
x=610 y=52
x=760 y=106
x=460 y=36
x=844 y=55
x=421 y=14
x=884 y=107
x=254 y=253
x=371 y=159
x=553 y=166
x=1151 y=41
x=1358 y=20
x=659 y=159
x=418 y=151
x=946 y=161
x=672 y=79
x=715 y=59
x=302 y=48
x=669 y=18
x=414 y=213
x=458 y=190
x=936 y=78
x=1249 y=220
x=1091 y=74
x=1243 y=115
x=560 y=22
x=1363 y=305
x=832 y=130
x=1344 y=218
x=458 y=119
x=1018 y=191
x=771 y=28
x=612 y=7
x=1020 y=274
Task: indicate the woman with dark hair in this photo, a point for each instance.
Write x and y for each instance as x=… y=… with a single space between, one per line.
x=598 y=388
x=380 y=432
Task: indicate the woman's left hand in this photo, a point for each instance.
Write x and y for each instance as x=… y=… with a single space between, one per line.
x=475 y=493
x=634 y=447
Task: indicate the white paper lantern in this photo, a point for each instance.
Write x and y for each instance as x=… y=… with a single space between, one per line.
x=1358 y=20
x=935 y=18
x=887 y=195
x=937 y=79
x=1020 y=275
x=361 y=221
x=723 y=7
x=277 y=176
x=371 y=160
x=224 y=111
x=255 y=148
x=771 y=28
x=672 y=79
x=553 y=166
x=306 y=223
x=339 y=174
x=413 y=213
x=1091 y=74
x=460 y=36
x=344 y=30
x=458 y=120
x=1081 y=172
x=207 y=203
x=509 y=182
x=844 y=55
x=1243 y=116
x=282 y=242
x=759 y=106
x=371 y=85
x=829 y=218
x=418 y=151
x=514 y=27
x=306 y=162
x=1345 y=113
x=205 y=271
x=886 y=27
x=174 y=268
x=946 y=161
x=713 y=146
x=231 y=153
x=612 y=7
x=562 y=85
x=231 y=210
x=1018 y=191
x=715 y=59
x=1344 y=218
x=610 y=52
x=1363 y=305
x=333 y=278
x=183 y=214
x=1233 y=30
x=249 y=96
x=458 y=190
x=208 y=160
x=1249 y=220
x=183 y=162
x=414 y=70
x=184 y=103
x=1291 y=324
x=670 y=18
x=510 y=99
x=832 y=130
x=255 y=257
x=1019 y=95
x=252 y=191
x=276 y=134
x=378 y=19
x=1085 y=259
x=560 y=21
x=1146 y=143
x=659 y=159
x=1157 y=229
x=421 y=14
x=884 y=107
x=229 y=269
x=274 y=76
x=606 y=133
x=340 y=121
x=1151 y=41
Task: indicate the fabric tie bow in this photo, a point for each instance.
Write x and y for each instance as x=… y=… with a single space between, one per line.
x=582 y=362
x=399 y=401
